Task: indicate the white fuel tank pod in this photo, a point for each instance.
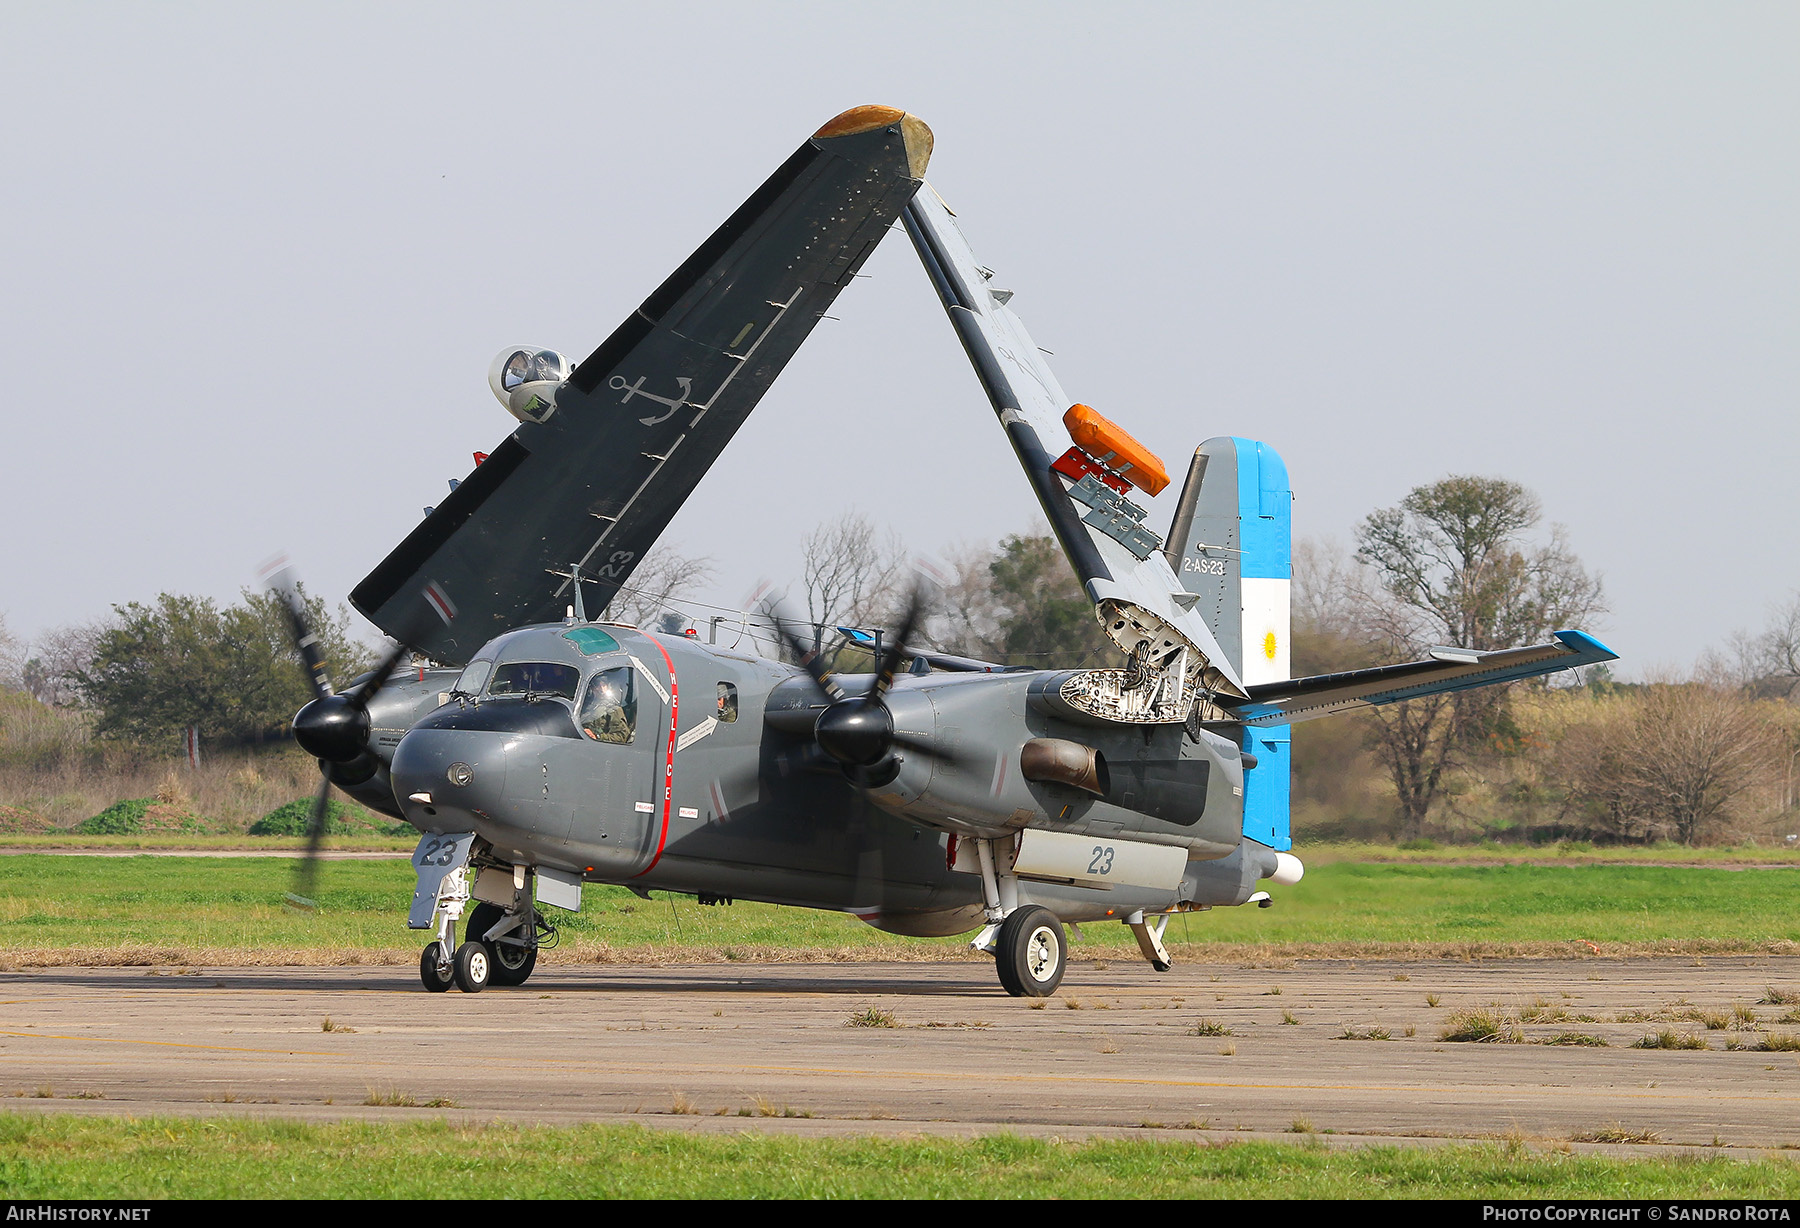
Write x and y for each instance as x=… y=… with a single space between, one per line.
x=526 y=378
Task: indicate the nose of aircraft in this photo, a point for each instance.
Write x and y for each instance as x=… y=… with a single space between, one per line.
x=451 y=779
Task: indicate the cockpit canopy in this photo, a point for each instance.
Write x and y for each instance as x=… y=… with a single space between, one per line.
x=600 y=687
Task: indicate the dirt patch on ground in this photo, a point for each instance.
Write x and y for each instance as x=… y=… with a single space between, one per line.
x=16 y=821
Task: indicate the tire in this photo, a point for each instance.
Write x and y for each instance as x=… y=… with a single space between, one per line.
x=435 y=981
x=1009 y=979
x=508 y=965
x=472 y=967
x=1031 y=952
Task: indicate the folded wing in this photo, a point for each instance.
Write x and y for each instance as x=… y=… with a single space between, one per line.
x=641 y=421
x=1128 y=579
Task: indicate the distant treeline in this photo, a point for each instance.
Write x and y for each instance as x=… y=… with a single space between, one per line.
x=1709 y=756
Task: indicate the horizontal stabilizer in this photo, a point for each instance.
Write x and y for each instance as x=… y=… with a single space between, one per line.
x=1447 y=669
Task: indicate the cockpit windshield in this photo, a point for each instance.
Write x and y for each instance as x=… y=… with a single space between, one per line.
x=472 y=678
x=541 y=678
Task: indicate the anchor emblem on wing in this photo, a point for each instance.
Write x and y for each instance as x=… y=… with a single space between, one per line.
x=618 y=383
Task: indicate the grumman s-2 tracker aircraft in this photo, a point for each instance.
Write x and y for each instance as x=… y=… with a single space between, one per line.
x=545 y=750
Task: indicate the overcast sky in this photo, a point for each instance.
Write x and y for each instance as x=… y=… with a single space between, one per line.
x=257 y=259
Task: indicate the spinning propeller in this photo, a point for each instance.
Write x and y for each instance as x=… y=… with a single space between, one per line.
x=333 y=728
x=858 y=730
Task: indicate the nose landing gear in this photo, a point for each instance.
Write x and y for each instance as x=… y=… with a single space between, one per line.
x=435 y=968
x=504 y=931
x=472 y=967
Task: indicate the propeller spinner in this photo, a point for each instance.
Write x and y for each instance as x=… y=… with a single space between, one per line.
x=858 y=730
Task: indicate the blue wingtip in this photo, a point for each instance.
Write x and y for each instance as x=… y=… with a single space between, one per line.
x=1590 y=650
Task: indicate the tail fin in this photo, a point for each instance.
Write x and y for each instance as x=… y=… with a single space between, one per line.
x=1231 y=545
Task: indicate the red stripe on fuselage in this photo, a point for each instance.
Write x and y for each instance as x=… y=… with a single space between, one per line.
x=668 y=762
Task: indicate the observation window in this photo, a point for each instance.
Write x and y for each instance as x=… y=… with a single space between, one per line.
x=727 y=704
x=526 y=367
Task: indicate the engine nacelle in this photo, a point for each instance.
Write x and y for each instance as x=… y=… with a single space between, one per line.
x=526 y=379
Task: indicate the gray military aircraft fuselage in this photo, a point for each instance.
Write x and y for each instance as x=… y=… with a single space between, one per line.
x=956 y=795
x=607 y=753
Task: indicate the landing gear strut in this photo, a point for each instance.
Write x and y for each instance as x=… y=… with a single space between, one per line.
x=1029 y=949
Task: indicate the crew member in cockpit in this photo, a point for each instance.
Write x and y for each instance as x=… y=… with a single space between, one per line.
x=606 y=716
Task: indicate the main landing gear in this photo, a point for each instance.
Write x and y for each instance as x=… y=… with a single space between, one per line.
x=1030 y=952
x=1028 y=945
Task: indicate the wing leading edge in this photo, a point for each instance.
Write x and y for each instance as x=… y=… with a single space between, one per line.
x=644 y=417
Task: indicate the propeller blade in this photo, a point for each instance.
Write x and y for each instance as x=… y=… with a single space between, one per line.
x=379 y=678
x=306 y=874
x=811 y=661
x=285 y=585
x=896 y=649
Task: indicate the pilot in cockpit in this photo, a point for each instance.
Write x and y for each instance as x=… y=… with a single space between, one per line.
x=609 y=714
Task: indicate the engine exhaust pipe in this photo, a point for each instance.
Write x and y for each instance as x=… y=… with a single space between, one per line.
x=1060 y=761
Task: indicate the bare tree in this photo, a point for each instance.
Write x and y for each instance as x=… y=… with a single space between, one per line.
x=969 y=619
x=1453 y=567
x=665 y=576
x=851 y=573
x=1672 y=759
x=12 y=658
x=1020 y=604
x=1769 y=662
x=52 y=663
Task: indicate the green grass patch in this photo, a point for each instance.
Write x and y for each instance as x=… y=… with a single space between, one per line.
x=139 y=815
x=57 y=1156
x=1568 y=852
x=203 y=842
x=1480 y=1025
x=341 y=819
x=214 y=908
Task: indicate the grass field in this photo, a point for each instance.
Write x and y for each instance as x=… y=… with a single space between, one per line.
x=84 y=1157
x=167 y=909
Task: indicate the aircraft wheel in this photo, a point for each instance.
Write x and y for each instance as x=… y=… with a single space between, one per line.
x=510 y=965
x=472 y=967
x=437 y=979
x=1031 y=952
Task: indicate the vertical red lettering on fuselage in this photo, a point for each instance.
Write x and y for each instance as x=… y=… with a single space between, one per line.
x=668 y=797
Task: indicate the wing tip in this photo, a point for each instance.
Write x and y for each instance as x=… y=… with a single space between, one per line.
x=1585 y=644
x=913 y=131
